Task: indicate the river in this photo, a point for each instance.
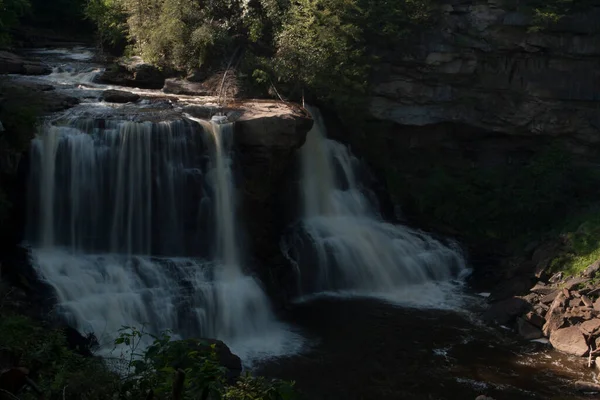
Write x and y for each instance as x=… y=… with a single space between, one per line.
x=382 y=335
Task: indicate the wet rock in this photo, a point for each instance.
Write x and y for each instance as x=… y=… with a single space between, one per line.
x=203 y=112
x=555 y=315
x=119 y=96
x=505 y=311
x=569 y=340
x=587 y=386
x=13 y=64
x=148 y=76
x=133 y=74
x=527 y=330
x=181 y=86
x=591 y=327
x=483 y=397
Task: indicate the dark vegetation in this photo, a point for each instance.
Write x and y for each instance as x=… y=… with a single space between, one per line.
x=161 y=369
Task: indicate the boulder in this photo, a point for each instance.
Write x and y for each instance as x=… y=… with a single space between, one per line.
x=569 y=340
x=119 y=96
x=505 y=311
x=203 y=112
x=135 y=74
x=148 y=76
x=527 y=330
x=13 y=64
x=181 y=86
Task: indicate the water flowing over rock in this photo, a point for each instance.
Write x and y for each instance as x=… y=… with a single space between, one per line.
x=342 y=244
x=135 y=223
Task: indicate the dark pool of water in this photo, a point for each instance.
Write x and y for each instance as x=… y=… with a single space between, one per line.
x=365 y=349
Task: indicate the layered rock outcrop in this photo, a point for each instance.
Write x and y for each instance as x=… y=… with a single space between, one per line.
x=13 y=64
x=482 y=66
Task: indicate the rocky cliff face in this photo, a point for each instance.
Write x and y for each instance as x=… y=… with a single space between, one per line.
x=483 y=67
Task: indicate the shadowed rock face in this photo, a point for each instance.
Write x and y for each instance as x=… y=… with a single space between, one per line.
x=267 y=135
x=482 y=67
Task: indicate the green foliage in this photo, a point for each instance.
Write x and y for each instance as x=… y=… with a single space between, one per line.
x=149 y=363
x=508 y=204
x=547 y=13
x=582 y=243
x=53 y=366
x=155 y=369
x=10 y=12
x=259 y=388
x=110 y=19
x=321 y=48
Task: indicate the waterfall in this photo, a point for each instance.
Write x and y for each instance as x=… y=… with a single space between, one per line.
x=134 y=224
x=342 y=244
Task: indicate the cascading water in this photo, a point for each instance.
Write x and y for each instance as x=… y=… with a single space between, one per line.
x=343 y=245
x=124 y=217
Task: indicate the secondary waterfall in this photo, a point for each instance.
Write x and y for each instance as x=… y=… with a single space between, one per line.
x=134 y=224
x=343 y=245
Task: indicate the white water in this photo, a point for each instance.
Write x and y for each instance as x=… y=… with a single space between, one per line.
x=344 y=246
x=124 y=220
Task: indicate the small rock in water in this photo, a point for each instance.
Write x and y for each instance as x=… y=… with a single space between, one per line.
x=484 y=294
x=119 y=96
x=587 y=386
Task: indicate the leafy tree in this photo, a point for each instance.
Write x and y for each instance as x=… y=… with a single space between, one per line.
x=321 y=48
x=110 y=19
x=10 y=12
